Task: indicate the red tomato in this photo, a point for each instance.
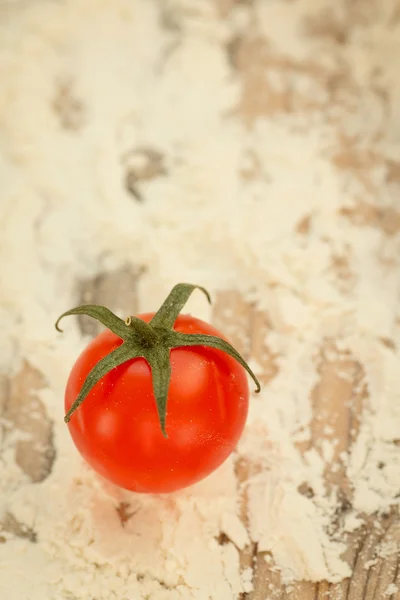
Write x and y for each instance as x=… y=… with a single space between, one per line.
x=117 y=428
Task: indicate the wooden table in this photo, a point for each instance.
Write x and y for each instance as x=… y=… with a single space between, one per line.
x=339 y=381
x=340 y=375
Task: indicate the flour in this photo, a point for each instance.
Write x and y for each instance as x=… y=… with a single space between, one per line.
x=277 y=203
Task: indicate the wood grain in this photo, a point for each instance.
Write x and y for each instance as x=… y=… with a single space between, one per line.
x=338 y=400
x=24 y=413
x=115 y=289
x=25 y=426
x=247 y=329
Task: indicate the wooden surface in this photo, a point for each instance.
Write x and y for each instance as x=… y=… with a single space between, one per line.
x=339 y=396
x=337 y=401
x=339 y=381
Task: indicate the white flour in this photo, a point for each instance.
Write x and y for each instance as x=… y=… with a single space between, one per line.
x=88 y=89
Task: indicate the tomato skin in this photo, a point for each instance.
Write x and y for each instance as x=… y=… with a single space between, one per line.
x=117 y=430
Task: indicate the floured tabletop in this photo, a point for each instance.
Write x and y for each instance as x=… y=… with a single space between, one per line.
x=251 y=147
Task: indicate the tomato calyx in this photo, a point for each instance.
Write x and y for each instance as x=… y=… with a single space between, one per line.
x=152 y=341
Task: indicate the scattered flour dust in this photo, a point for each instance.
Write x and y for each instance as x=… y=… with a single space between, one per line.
x=250 y=146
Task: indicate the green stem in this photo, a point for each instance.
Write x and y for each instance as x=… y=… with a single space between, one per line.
x=152 y=341
x=171 y=307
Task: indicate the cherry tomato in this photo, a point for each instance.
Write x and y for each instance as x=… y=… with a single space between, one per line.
x=117 y=428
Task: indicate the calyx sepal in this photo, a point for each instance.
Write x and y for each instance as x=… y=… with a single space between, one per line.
x=153 y=341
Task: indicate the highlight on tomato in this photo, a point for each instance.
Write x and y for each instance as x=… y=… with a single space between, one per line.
x=157 y=402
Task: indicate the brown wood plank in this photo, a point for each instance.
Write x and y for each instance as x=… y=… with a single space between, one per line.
x=338 y=400
x=24 y=413
x=115 y=289
x=25 y=425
